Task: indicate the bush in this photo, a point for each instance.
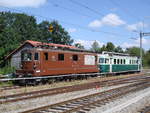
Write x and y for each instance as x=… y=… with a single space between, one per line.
x=7 y=70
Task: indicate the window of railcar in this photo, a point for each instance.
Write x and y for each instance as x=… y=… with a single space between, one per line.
x=101 y=60
x=75 y=57
x=61 y=57
x=96 y=58
x=106 y=60
x=124 y=61
x=115 y=61
x=46 y=56
x=121 y=61
x=130 y=61
x=137 y=61
x=36 y=56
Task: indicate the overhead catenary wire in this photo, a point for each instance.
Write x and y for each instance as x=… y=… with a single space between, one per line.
x=126 y=11
x=76 y=25
x=70 y=10
x=90 y=9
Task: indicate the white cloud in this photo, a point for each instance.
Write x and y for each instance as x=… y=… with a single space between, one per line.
x=110 y=19
x=95 y=23
x=22 y=3
x=71 y=30
x=87 y=43
x=136 y=26
x=136 y=43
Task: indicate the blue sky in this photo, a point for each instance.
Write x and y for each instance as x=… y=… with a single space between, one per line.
x=89 y=20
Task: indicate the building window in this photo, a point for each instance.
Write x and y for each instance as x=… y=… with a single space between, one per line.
x=75 y=57
x=36 y=56
x=46 y=56
x=115 y=61
x=60 y=57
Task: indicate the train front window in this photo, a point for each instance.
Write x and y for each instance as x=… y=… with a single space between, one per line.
x=101 y=60
x=26 y=57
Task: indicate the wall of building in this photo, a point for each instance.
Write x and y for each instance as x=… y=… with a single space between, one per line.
x=16 y=58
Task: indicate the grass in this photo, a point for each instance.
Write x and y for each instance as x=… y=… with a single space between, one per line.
x=3 y=84
x=7 y=70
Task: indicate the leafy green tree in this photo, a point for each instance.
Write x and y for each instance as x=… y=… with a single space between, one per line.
x=15 y=28
x=59 y=35
x=95 y=47
x=146 y=59
x=110 y=47
x=103 y=48
x=118 y=49
x=78 y=45
x=135 y=51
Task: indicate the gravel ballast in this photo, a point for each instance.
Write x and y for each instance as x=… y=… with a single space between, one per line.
x=38 y=102
x=131 y=103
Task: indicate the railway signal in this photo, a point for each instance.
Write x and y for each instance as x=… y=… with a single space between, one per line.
x=51 y=28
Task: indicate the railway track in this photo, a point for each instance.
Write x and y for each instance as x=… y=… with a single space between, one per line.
x=86 y=103
x=60 y=90
x=145 y=110
x=9 y=87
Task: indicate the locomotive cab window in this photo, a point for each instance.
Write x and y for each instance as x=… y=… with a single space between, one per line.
x=75 y=57
x=36 y=56
x=46 y=56
x=26 y=56
x=61 y=57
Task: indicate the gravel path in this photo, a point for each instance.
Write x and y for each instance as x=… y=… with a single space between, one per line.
x=131 y=103
x=33 y=103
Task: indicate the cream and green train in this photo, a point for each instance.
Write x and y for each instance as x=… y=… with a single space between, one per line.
x=110 y=62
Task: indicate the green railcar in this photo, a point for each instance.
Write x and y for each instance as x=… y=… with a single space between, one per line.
x=110 y=62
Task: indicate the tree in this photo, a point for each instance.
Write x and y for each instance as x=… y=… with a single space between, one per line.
x=78 y=45
x=15 y=28
x=95 y=47
x=59 y=35
x=110 y=47
x=103 y=48
x=134 y=51
x=146 y=59
x=118 y=49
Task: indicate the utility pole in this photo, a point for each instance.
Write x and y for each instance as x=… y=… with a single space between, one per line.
x=141 y=53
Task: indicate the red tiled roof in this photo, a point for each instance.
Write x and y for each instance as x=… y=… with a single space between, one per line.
x=36 y=43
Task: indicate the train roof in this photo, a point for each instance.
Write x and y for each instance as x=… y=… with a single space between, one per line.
x=117 y=54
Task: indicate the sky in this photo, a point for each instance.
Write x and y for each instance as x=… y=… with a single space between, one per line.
x=116 y=21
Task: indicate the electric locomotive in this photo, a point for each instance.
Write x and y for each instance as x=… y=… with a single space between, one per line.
x=37 y=62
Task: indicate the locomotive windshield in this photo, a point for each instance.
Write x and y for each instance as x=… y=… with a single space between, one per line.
x=26 y=56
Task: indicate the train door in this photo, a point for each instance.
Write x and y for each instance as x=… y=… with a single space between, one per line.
x=37 y=65
x=75 y=64
x=111 y=61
